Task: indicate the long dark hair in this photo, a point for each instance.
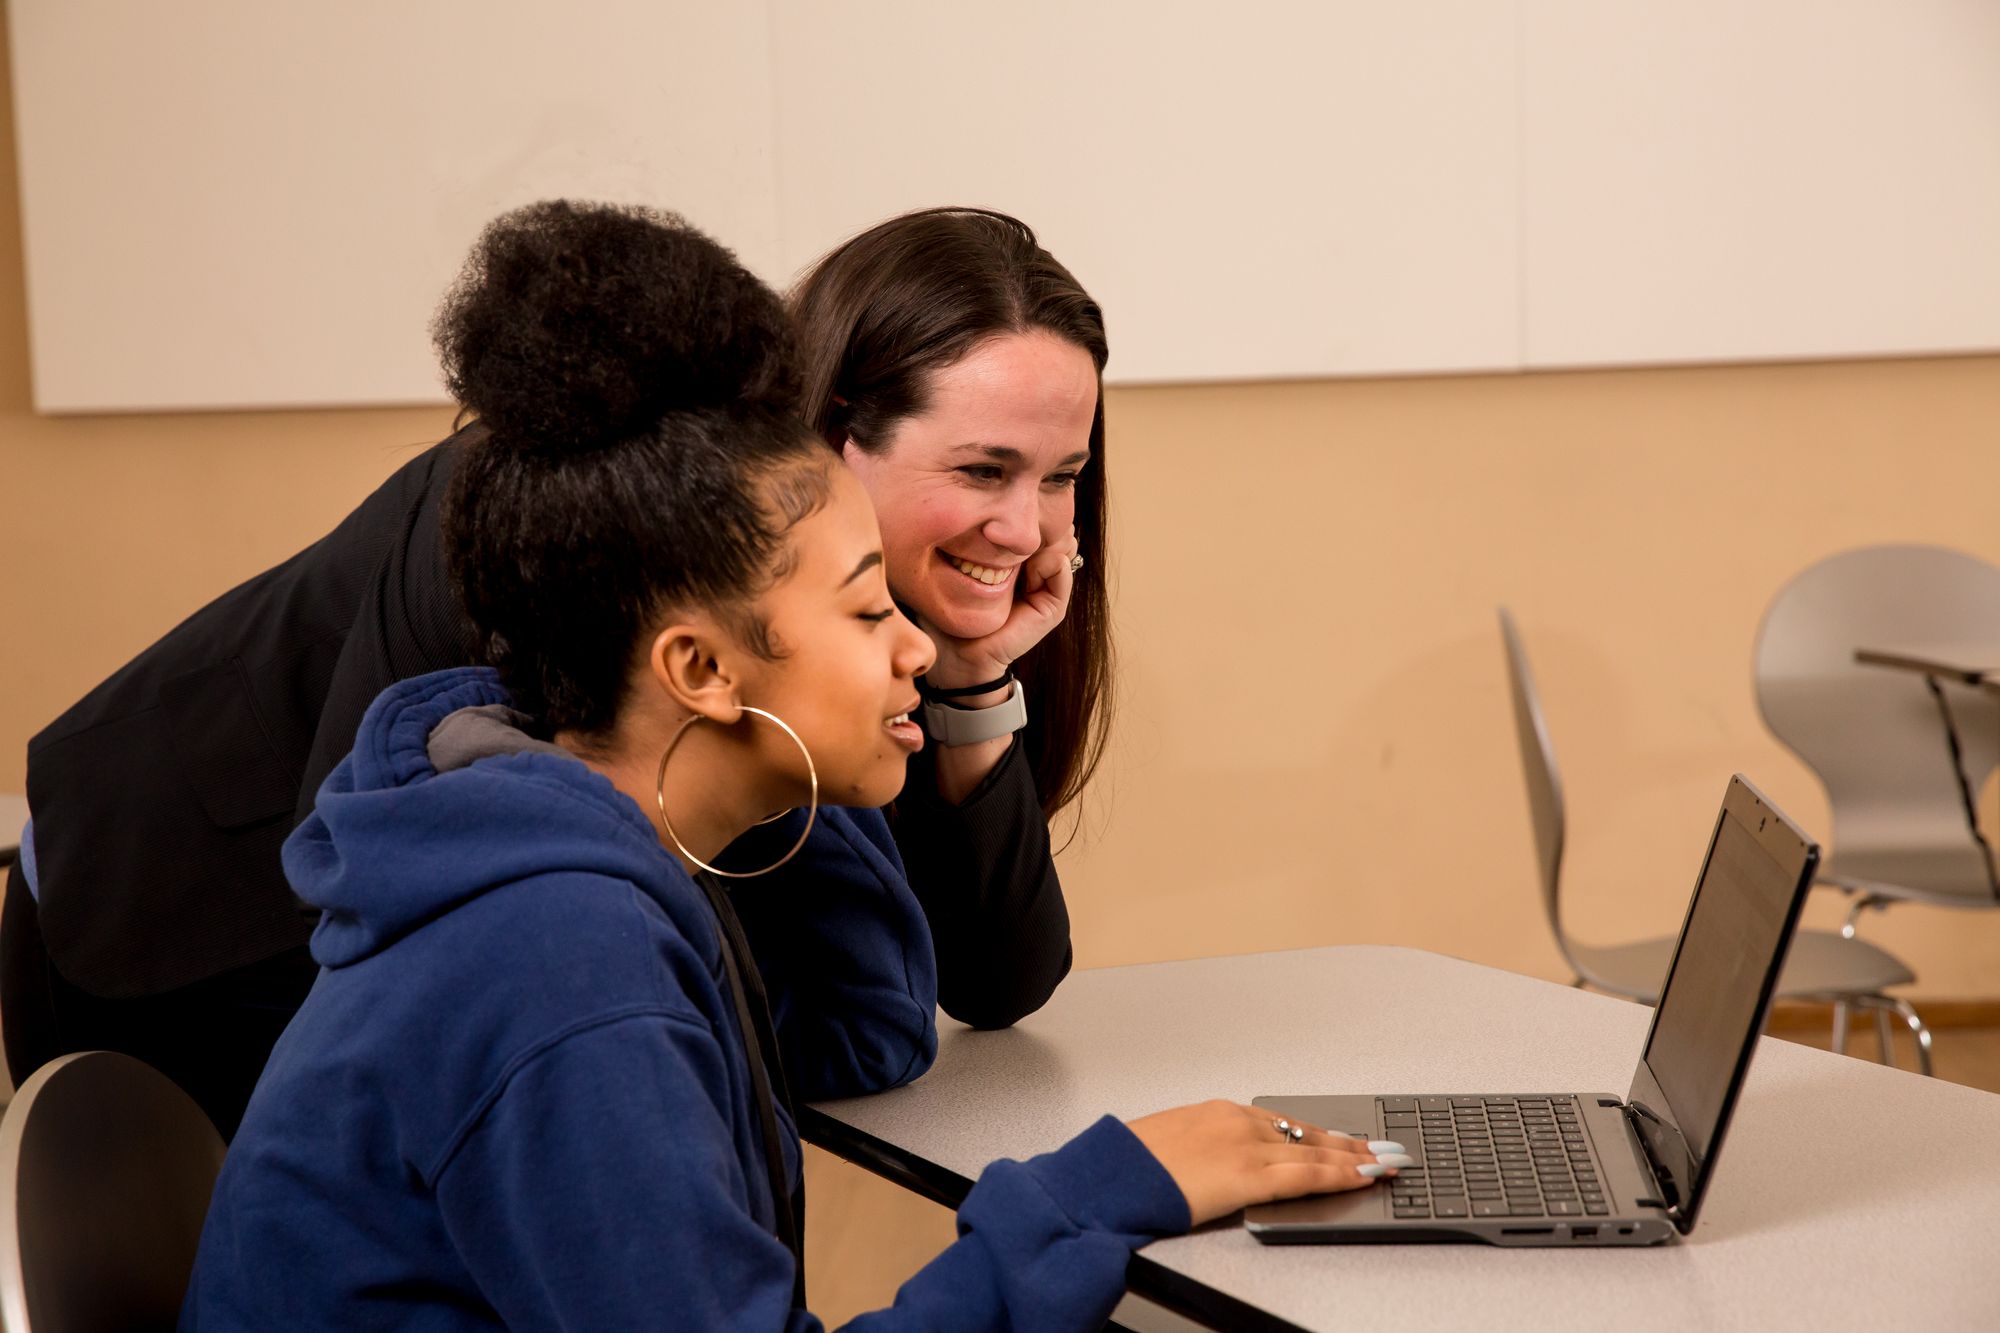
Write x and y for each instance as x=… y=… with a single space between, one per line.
x=878 y=318
x=638 y=446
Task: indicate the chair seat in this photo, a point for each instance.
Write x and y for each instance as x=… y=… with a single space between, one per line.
x=1821 y=963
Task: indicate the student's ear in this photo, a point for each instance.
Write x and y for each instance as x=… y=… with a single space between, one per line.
x=694 y=665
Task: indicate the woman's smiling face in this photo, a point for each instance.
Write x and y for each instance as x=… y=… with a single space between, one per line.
x=970 y=488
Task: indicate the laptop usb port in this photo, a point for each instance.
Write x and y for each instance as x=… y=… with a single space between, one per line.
x=1582 y=1233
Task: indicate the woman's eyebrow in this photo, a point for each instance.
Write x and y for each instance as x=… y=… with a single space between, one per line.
x=868 y=562
x=1007 y=453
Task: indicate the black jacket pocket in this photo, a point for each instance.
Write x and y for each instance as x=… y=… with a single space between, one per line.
x=223 y=748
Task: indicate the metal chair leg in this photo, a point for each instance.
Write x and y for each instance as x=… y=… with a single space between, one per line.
x=1840 y=1019
x=1923 y=1033
x=1885 y=1045
x=1882 y=1006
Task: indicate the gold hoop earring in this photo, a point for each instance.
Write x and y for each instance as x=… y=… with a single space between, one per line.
x=660 y=797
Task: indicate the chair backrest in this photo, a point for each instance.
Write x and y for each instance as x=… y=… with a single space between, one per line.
x=1874 y=735
x=1538 y=766
x=105 y=1174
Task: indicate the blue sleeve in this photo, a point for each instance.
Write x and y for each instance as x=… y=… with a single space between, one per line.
x=1043 y=1244
x=844 y=951
x=602 y=1189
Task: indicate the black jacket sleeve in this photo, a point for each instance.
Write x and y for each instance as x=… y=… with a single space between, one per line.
x=986 y=878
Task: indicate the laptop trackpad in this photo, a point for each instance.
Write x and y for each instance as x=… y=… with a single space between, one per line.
x=1341 y=1115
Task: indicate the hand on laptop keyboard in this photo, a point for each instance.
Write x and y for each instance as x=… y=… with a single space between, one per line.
x=1225 y=1156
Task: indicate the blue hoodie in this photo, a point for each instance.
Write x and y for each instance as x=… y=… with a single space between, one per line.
x=517 y=1095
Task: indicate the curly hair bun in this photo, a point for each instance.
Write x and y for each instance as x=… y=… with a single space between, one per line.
x=576 y=326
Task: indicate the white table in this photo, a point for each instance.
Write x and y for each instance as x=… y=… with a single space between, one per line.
x=1848 y=1195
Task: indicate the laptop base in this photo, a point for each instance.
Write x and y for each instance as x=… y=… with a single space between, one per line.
x=1367 y=1216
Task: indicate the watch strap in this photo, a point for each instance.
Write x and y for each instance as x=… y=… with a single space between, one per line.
x=952 y=725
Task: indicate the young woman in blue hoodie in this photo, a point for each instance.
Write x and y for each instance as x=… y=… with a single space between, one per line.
x=531 y=1087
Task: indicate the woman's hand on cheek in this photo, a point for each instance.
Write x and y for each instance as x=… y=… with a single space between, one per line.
x=1046 y=584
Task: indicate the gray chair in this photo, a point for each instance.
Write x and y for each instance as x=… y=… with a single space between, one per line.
x=105 y=1174
x=1879 y=739
x=1822 y=966
x=1901 y=757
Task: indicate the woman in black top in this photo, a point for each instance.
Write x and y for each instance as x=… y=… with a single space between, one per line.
x=957 y=368
x=158 y=921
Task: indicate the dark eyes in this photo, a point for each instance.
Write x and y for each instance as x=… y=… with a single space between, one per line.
x=877 y=617
x=989 y=472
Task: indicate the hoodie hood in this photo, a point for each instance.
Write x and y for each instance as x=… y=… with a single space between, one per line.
x=393 y=842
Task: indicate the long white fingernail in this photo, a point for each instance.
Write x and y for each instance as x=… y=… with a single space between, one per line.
x=1380 y=1146
x=1395 y=1159
x=1372 y=1170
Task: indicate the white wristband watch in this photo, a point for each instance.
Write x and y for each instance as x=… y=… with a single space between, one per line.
x=952 y=726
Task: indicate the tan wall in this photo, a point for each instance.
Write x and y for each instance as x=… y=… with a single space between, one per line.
x=1314 y=744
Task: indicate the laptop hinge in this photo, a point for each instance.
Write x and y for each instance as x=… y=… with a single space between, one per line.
x=1663 y=1181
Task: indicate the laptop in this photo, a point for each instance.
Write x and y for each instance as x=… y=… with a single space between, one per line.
x=1588 y=1168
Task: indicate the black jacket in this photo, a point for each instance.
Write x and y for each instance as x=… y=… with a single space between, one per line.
x=161 y=798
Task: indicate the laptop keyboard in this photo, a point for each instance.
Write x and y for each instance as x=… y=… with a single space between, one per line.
x=1492 y=1157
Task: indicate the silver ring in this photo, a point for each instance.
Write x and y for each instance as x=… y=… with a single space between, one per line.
x=1290 y=1132
x=1075 y=563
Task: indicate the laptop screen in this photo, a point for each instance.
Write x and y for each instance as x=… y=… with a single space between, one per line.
x=1732 y=946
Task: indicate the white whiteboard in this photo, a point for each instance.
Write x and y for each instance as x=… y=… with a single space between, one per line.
x=1326 y=192
x=1709 y=180
x=244 y=204
x=241 y=203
